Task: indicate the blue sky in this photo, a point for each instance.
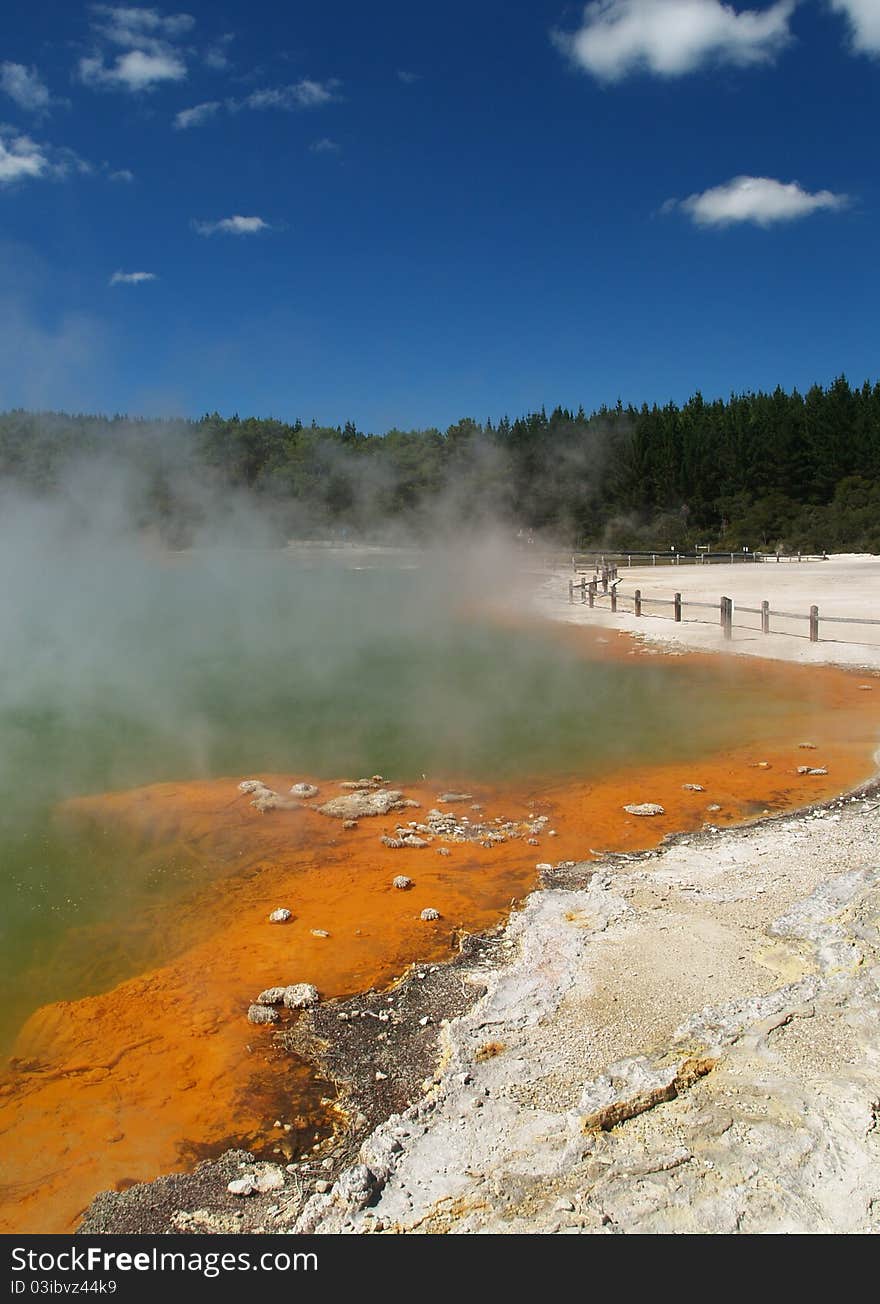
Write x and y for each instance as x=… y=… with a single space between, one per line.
x=402 y=214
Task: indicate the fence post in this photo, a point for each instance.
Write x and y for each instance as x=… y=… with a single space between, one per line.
x=629 y=560
x=637 y=596
x=583 y=589
x=592 y=592
x=571 y=590
x=653 y=559
x=614 y=599
x=676 y=606
x=765 y=616
x=727 y=617
x=814 y=624
x=604 y=579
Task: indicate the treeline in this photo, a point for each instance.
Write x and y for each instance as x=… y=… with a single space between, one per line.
x=781 y=470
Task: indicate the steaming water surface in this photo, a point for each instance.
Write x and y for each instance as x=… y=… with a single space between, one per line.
x=122 y=670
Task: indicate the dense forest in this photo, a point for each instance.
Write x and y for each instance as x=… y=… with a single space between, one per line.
x=765 y=471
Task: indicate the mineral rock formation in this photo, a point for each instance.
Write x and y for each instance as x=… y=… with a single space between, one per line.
x=356 y=805
x=271 y=996
x=300 y=996
x=258 y=1180
x=645 y=808
x=259 y=1014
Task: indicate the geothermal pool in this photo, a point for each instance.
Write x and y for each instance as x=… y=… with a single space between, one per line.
x=138 y=879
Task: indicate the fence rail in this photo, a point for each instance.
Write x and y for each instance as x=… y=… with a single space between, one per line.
x=600 y=560
x=590 y=594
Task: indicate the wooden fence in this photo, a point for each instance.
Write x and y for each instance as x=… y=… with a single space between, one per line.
x=581 y=561
x=727 y=609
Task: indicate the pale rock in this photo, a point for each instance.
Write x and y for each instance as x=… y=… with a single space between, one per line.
x=271 y=996
x=304 y=790
x=261 y=1014
x=300 y=996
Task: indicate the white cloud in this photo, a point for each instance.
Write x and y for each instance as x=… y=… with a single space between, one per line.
x=673 y=37
x=197 y=115
x=24 y=159
x=864 y=23
x=25 y=86
x=139 y=28
x=215 y=56
x=124 y=174
x=232 y=226
x=761 y=200
x=304 y=94
x=131 y=278
x=138 y=70
x=408 y=78
x=324 y=146
x=147 y=39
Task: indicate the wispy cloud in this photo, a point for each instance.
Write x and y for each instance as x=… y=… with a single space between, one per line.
x=131 y=25
x=232 y=226
x=137 y=70
x=325 y=146
x=123 y=174
x=149 y=41
x=672 y=37
x=760 y=200
x=408 y=78
x=132 y=278
x=216 y=55
x=864 y=23
x=304 y=94
x=25 y=86
x=24 y=159
x=197 y=115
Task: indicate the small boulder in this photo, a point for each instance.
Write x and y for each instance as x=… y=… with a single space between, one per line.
x=258 y=1181
x=300 y=996
x=280 y=916
x=429 y=913
x=402 y=882
x=260 y=1014
x=304 y=790
x=692 y=787
x=271 y=996
x=366 y=802
x=645 y=808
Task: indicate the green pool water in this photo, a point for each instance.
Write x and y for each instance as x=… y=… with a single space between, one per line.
x=119 y=670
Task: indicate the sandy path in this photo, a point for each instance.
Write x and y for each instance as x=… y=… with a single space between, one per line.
x=845 y=585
